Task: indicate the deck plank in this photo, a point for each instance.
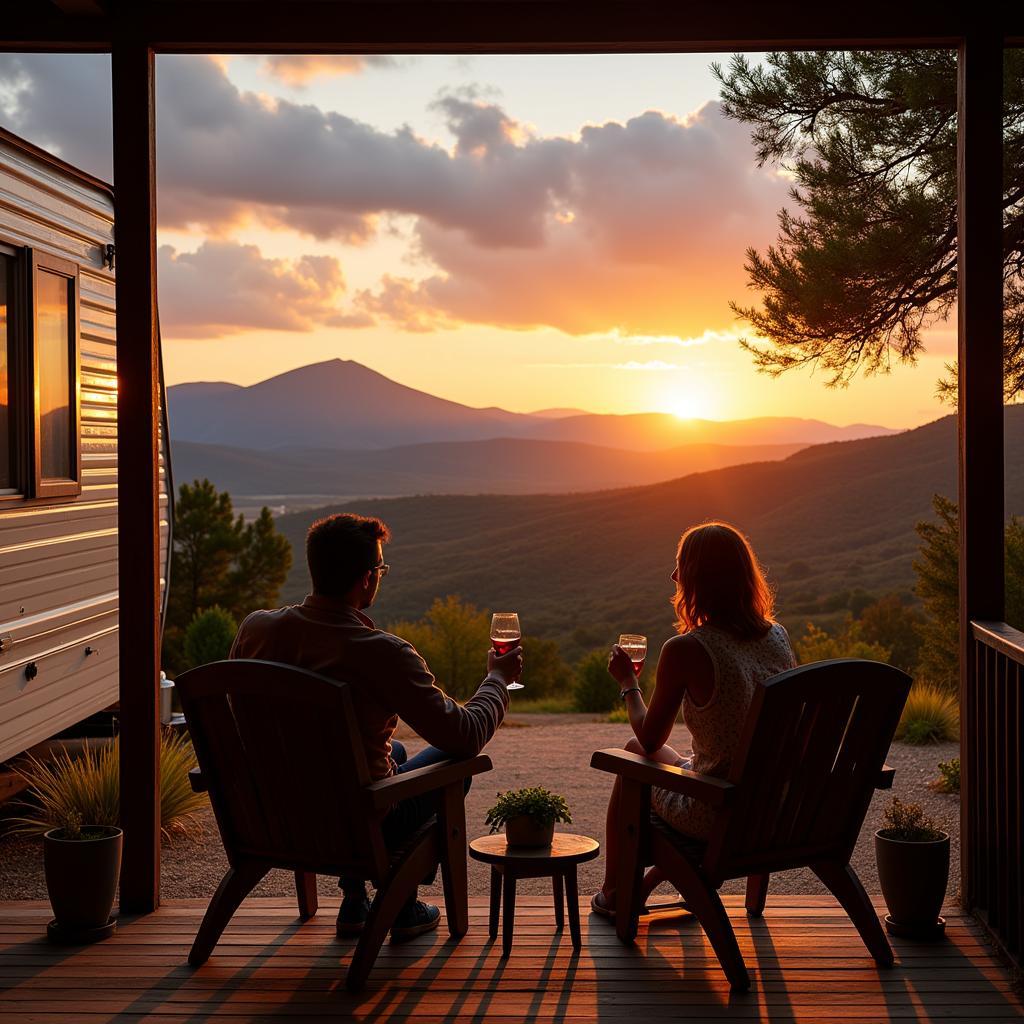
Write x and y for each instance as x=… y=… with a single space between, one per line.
x=805 y=959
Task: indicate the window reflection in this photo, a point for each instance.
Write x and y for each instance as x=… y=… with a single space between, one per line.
x=53 y=305
x=6 y=293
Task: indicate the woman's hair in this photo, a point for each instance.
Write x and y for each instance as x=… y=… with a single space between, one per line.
x=721 y=583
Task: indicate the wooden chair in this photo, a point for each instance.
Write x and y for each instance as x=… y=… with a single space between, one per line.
x=811 y=753
x=282 y=758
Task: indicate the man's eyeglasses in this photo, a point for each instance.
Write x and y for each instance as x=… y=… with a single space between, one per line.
x=383 y=568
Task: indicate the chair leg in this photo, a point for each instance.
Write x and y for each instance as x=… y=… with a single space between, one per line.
x=236 y=884
x=305 y=889
x=454 y=875
x=389 y=900
x=844 y=884
x=704 y=901
x=634 y=820
x=757 y=893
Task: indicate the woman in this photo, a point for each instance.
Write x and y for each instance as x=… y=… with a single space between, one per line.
x=727 y=644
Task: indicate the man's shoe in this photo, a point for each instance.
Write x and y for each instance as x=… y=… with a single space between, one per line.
x=415 y=919
x=352 y=916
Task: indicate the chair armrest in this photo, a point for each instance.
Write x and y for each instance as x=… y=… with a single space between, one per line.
x=196 y=780
x=716 y=792
x=385 y=792
x=885 y=777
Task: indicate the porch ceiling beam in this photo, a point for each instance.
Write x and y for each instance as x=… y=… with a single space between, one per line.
x=87 y=8
x=493 y=25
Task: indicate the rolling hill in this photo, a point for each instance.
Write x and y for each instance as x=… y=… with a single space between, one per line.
x=582 y=567
x=501 y=466
x=343 y=405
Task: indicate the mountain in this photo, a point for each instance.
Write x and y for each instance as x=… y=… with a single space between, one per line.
x=501 y=466
x=341 y=404
x=653 y=430
x=338 y=403
x=583 y=567
x=558 y=414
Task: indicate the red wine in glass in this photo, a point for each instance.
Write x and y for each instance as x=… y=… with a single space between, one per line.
x=506 y=634
x=635 y=647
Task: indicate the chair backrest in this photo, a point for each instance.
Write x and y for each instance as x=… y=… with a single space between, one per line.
x=811 y=751
x=284 y=763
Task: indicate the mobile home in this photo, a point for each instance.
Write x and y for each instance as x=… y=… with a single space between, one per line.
x=58 y=447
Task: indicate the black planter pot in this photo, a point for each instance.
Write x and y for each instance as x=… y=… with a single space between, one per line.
x=526 y=831
x=913 y=877
x=81 y=880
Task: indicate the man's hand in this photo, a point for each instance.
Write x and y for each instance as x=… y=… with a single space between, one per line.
x=508 y=667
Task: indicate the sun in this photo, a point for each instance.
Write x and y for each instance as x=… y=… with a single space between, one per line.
x=686 y=407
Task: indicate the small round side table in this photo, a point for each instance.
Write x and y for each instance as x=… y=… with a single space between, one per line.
x=509 y=863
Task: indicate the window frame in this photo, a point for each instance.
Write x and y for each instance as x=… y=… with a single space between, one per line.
x=23 y=379
x=15 y=391
x=71 y=486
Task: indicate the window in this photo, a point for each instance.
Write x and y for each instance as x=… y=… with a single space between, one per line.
x=6 y=338
x=39 y=370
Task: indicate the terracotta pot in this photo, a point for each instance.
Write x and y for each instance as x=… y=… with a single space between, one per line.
x=526 y=831
x=81 y=879
x=913 y=877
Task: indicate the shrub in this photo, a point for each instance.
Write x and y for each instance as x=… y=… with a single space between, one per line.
x=949 y=776
x=540 y=804
x=817 y=645
x=545 y=673
x=931 y=715
x=453 y=637
x=594 y=689
x=87 y=789
x=209 y=637
x=908 y=823
x=618 y=716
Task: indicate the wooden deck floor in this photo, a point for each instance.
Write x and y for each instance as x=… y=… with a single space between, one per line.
x=805 y=958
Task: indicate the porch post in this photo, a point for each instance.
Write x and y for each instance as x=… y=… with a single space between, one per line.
x=980 y=347
x=138 y=471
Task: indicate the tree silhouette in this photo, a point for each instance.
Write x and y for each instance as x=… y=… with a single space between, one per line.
x=219 y=560
x=866 y=257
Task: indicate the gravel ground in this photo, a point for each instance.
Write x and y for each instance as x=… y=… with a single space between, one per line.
x=529 y=750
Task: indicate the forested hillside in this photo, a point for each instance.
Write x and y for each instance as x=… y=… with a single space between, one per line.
x=827 y=521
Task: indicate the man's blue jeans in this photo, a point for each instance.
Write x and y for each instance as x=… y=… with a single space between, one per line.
x=407 y=816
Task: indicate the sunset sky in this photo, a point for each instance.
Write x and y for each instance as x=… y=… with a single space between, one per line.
x=520 y=231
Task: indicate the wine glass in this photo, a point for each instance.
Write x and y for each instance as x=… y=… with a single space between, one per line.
x=635 y=647
x=506 y=634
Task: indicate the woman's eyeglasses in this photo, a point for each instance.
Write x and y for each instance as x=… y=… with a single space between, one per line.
x=383 y=568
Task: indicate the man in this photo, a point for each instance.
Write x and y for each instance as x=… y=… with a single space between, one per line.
x=330 y=634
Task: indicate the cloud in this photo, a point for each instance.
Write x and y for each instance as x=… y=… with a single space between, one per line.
x=662 y=211
x=638 y=228
x=300 y=69
x=652 y=364
x=223 y=288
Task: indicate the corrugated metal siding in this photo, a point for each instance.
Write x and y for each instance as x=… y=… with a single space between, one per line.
x=58 y=562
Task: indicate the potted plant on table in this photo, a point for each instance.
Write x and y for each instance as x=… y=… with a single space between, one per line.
x=912 y=854
x=529 y=815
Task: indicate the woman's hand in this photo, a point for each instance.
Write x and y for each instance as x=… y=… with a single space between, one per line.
x=621 y=668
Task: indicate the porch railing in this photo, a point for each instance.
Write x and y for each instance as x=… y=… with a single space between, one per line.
x=993 y=724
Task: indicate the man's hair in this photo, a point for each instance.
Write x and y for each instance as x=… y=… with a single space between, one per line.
x=340 y=548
